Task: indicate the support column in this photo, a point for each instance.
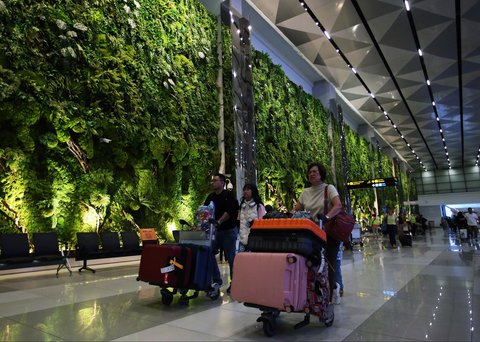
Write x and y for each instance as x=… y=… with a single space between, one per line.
x=243 y=102
x=345 y=166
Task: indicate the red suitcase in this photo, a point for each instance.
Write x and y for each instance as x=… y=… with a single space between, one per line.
x=165 y=265
x=272 y=280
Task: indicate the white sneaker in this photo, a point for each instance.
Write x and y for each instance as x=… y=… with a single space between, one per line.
x=215 y=291
x=336 y=295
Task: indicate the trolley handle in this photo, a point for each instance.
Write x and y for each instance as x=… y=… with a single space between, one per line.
x=184 y=223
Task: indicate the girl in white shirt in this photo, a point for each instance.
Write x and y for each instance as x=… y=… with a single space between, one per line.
x=251 y=208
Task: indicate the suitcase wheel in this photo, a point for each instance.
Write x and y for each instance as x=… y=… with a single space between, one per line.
x=167 y=297
x=184 y=298
x=291 y=259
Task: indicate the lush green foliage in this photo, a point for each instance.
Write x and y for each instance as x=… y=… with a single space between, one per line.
x=81 y=72
x=291 y=132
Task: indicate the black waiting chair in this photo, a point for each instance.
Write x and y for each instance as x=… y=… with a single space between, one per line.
x=130 y=243
x=111 y=244
x=88 y=247
x=46 y=251
x=15 y=249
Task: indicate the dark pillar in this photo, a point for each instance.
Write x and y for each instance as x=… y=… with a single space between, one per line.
x=345 y=166
x=245 y=138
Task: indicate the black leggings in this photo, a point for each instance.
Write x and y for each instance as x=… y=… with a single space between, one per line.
x=392 y=232
x=331 y=255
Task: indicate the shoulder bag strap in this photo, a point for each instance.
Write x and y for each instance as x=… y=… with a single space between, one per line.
x=325 y=200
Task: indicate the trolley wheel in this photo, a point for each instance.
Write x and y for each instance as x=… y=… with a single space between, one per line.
x=269 y=325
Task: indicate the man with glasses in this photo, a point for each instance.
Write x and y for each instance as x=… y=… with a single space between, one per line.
x=226 y=211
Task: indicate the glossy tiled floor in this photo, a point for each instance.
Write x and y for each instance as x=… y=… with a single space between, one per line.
x=428 y=292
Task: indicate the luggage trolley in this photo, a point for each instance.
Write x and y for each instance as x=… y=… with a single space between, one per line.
x=182 y=266
x=356 y=236
x=285 y=272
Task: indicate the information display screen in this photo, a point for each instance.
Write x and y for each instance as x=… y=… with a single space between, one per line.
x=372 y=183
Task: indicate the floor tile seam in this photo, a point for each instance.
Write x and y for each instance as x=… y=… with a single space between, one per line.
x=172 y=324
x=395 y=311
x=70 y=283
x=395 y=338
x=57 y=338
x=193 y=331
x=57 y=305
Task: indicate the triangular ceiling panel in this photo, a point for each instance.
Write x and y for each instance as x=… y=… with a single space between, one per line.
x=379 y=39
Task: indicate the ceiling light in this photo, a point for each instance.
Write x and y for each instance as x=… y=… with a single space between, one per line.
x=420 y=52
x=407 y=5
x=428 y=82
x=327 y=35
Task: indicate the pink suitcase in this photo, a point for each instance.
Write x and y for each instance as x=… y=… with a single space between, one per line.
x=274 y=280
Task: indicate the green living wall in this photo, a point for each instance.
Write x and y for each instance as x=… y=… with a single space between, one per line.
x=108 y=113
x=109 y=118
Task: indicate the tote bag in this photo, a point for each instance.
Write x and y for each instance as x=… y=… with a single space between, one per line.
x=340 y=226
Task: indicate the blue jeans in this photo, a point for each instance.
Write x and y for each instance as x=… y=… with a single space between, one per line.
x=225 y=239
x=338 y=265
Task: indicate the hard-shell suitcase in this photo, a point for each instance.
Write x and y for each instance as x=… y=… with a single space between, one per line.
x=165 y=265
x=272 y=280
x=202 y=267
x=405 y=239
x=295 y=235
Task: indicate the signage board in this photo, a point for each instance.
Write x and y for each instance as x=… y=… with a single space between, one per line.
x=372 y=183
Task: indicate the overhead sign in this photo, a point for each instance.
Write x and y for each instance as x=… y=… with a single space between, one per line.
x=372 y=183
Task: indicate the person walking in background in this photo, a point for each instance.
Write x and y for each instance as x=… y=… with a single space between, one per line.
x=226 y=213
x=375 y=223
x=444 y=225
x=413 y=223
x=391 y=220
x=462 y=225
x=251 y=208
x=312 y=199
x=472 y=221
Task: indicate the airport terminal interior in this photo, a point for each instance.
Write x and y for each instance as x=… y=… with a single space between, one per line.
x=409 y=100
x=429 y=291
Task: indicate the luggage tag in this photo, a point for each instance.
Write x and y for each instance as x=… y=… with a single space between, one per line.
x=171 y=267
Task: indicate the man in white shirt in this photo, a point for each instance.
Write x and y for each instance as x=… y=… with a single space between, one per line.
x=472 y=220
